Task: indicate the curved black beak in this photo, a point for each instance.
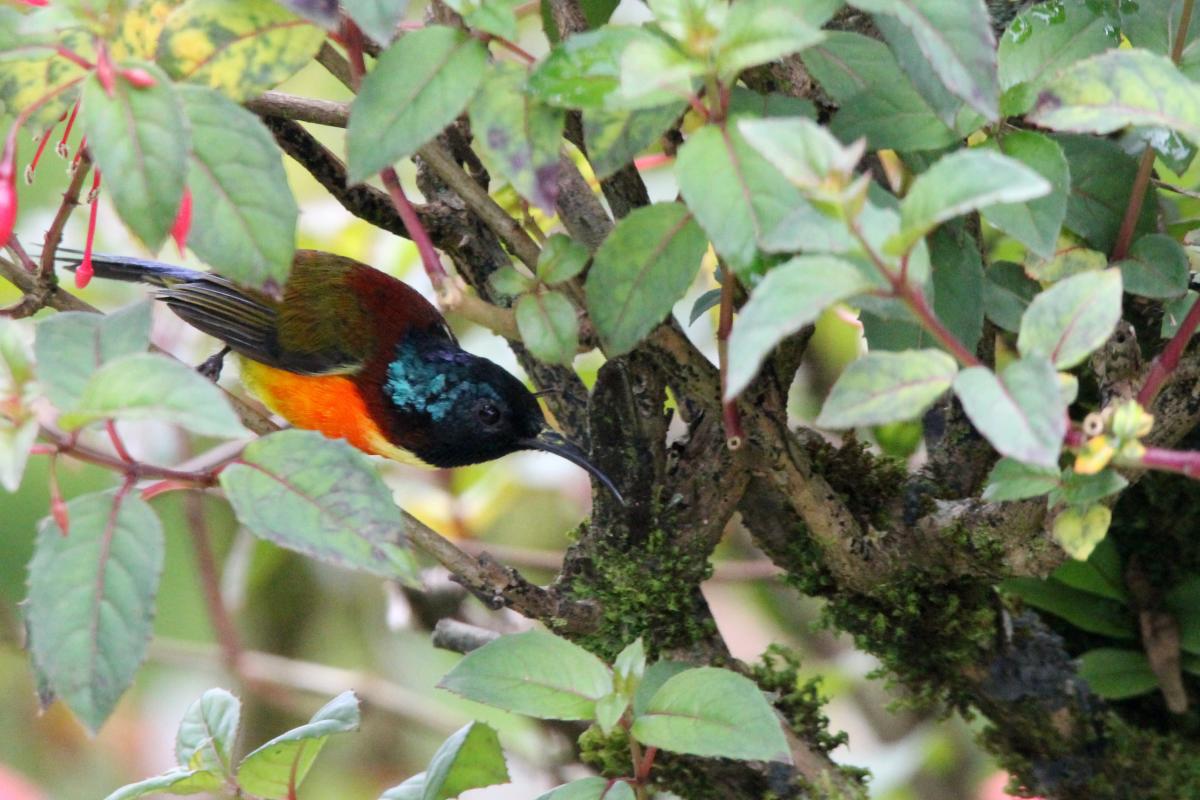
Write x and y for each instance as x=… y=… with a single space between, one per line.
x=551 y=441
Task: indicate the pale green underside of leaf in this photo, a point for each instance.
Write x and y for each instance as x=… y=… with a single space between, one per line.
x=91 y=600
x=319 y=497
x=887 y=387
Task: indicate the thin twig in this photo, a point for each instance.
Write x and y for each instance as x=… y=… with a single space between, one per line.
x=70 y=201
x=1168 y=360
x=210 y=584
x=266 y=669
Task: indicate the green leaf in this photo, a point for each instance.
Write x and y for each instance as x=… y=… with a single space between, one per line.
x=508 y=281
x=1120 y=88
x=791 y=296
x=609 y=710
x=1012 y=480
x=1035 y=223
x=956 y=38
x=957 y=282
x=1154 y=24
x=15 y=441
x=519 y=138
x=630 y=664
x=208 y=732
x=1100 y=575
x=1021 y=412
x=175 y=781
x=148 y=386
x=593 y=788
x=615 y=138
x=1072 y=318
x=1082 y=609
x=887 y=387
x=585 y=70
x=891 y=115
x=877 y=100
x=715 y=713
x=29 y=70
x=654 y=72
x=283 y=762
x=533 y=673
x=846 y=64
x=469 y=759
x=704 y=303
x=906 y=49
x=1174 y=312
x=640 y=271
x=759 y=31
x=805 y=152
x=377 y=18
x=1042 y=40
x=1007 y=292
x=561 y=259
x=91 y=600
x=959 y=183
x=1065 y=263
x=241 y=48
x=411 y=789
x=497 y=17
x=419 y=85
x=1157 y=266
x=655 y=676
x=1115 y=674
x=1183 y=600
x=71 y=345
x=1084 y=490
x=139 y=138
x=243 y=212
x=1102 y=177
x=736 y=194
x=549 y=326
x=320 y=497
x=1078 y=531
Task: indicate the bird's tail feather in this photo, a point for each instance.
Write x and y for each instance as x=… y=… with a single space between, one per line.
x=125 y=268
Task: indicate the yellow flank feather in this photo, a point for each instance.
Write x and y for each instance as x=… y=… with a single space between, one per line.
x=330 y=404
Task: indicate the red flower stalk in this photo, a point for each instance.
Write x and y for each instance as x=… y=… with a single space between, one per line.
x=38 y=155
x=8 y=187
x=104 y=72
x=83 y=275
x=183 y=220
x=61 y=147
x=78 y=153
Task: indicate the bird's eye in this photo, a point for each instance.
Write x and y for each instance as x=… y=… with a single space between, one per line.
x=488 y=414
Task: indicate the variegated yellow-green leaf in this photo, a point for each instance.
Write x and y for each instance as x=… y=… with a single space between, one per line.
x=240 y=47
x=140 y=27
x=29 y=71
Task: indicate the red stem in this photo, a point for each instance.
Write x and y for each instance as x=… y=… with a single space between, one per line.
x=1183 y=462
x=1166 y=361
x=412 y=224
x=61 y=148
x=115 y=438
x=512 y=47
x=72 y=56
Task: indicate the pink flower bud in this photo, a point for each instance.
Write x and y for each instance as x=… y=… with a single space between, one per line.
x=8 y=188
x=138 y=77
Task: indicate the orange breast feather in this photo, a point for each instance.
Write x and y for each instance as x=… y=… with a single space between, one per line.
x=330 y=404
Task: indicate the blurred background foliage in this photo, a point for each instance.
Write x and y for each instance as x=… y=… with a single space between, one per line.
x=310 y=631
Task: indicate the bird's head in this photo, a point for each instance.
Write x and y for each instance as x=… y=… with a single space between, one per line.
x=451 y=408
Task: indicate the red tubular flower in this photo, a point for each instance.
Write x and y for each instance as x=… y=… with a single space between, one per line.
x=61 y=147
x=183 y=220
x=8 y=187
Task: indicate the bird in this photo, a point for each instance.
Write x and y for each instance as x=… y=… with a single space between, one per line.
x=358 y=355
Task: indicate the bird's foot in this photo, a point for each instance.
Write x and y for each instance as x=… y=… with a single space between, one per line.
x=211 y=366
